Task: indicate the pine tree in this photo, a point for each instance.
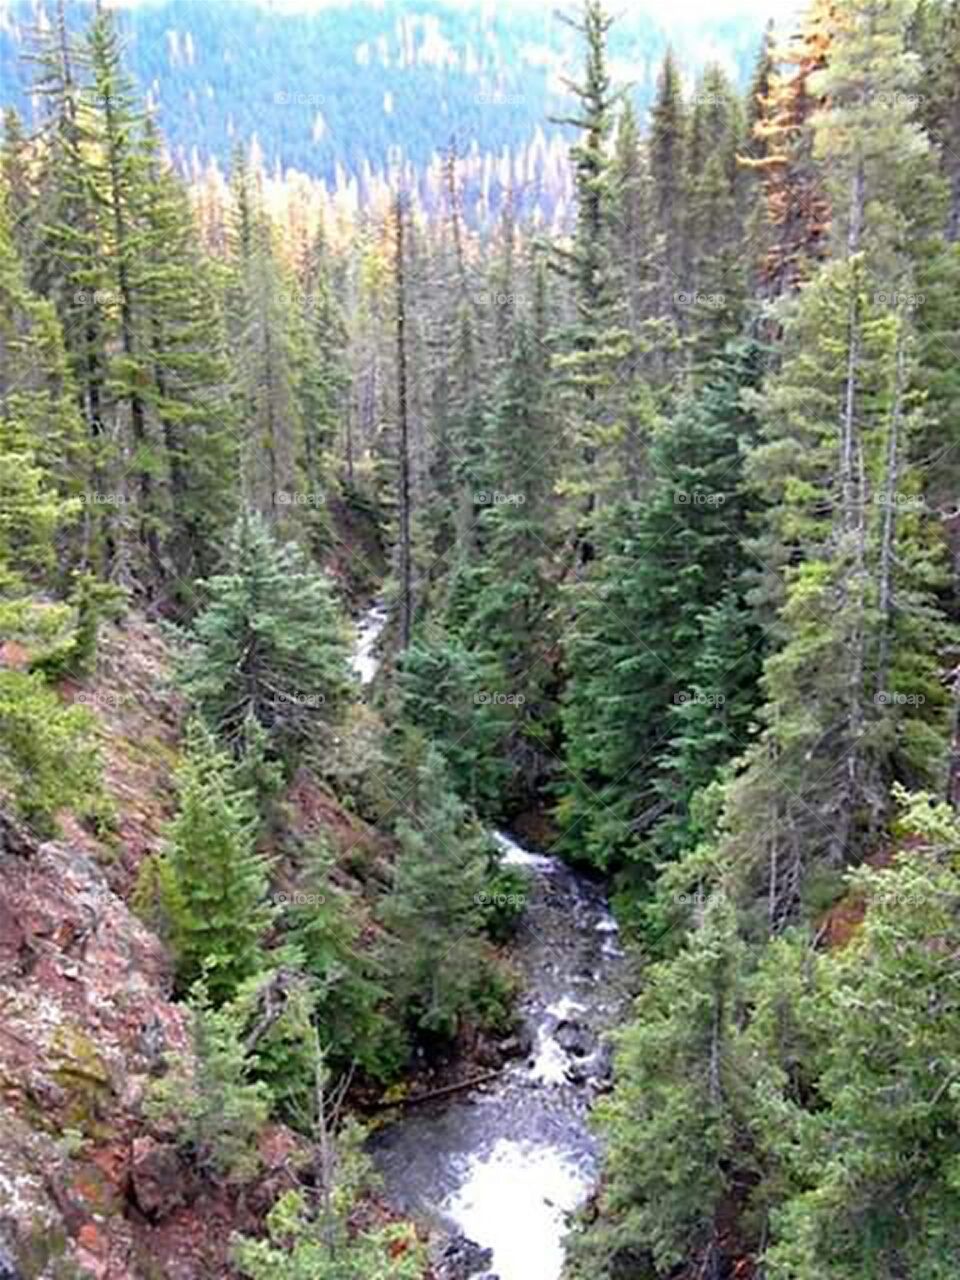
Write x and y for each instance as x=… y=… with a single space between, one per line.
x=592 y=361
x=185 y=346
x=217 y=1111
x=935 y=36
x=853 y=684
x=323 y=924
x=672 y=1123
x=213 y=882
x=324 y=379
x=265 y=359
x=512 y=599
x=432 y=910
x=117 y=174
x=269 y=647
x=780 y=153
x=876 y=1160
x=716 y=282
x=69 y=266
x=668 y=170
x=47 y=759
x=633 y=654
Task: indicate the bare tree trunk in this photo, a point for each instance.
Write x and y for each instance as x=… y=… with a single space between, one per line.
x=324 y=1166
x=406 y=566
x=852 y=518
x=890 y=510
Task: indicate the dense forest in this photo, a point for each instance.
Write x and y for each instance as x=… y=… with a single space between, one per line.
x=660 y=509
x=343 y=92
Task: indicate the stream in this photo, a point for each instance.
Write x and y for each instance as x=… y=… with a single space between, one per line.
x=505 y=1164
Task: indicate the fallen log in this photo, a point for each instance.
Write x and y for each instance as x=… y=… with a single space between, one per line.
x=438 y=1093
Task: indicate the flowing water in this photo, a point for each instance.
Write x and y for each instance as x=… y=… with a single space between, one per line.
x=507 y=1163
x=369 y=629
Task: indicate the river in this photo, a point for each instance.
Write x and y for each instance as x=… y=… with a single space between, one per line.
x=506 y=1164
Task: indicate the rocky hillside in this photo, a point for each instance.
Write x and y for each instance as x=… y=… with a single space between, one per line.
x=87 y=1186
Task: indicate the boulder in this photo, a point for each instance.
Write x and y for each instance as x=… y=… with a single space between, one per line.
x=158 y=1178
x=461 y=1259
x=573 y=1038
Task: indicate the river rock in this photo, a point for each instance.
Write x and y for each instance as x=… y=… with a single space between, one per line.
x=518 y=1045
x=573 y=1038
x=460 y=1259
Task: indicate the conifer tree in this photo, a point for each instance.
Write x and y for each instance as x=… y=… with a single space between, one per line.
x=595 y=348
x=780 y=153
x=269 y=647
x=633 y=654
x=874 y=1163
x=47 y=760
x=673 y=1122
x=668 y=170
x=117 y=174
x=213 y=882
x=260 y=293
x=433 y=908
x=185 y=346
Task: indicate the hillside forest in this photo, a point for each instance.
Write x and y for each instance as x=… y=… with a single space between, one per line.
x=656 y=501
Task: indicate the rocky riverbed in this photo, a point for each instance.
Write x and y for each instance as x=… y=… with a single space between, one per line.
x=500 y=1169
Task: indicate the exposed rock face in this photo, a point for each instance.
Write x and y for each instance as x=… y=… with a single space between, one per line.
x=86 y=1022
x=8 y=1269
x=79 y=974
x=158 y=1177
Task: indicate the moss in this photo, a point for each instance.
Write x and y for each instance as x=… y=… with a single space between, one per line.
x=81 y=1072
x=44 y=1253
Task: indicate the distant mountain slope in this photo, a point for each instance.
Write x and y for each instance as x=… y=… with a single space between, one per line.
x=341 y=90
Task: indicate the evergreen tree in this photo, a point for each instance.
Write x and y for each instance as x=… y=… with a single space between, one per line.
x=213 y=883
x=116 y=172
x=432 y=910
x=593 y=360
x=672 y=1123
x=265 y=358
x=876 y=1160
x=633 y=655
x=185 y=346
x=47 y=760
x=269 y=647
